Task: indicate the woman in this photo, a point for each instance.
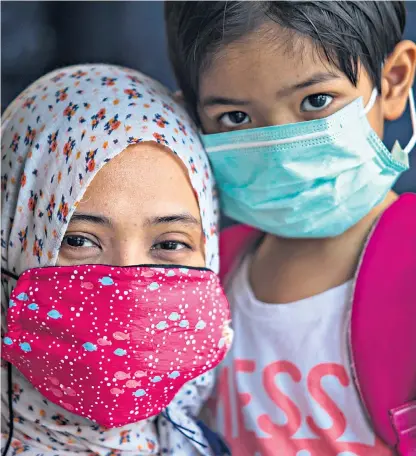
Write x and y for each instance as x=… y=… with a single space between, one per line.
x=101 y=168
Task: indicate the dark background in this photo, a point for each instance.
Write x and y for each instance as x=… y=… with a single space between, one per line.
x=37 y=37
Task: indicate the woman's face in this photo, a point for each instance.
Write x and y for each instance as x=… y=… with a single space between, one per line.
x=139 y=209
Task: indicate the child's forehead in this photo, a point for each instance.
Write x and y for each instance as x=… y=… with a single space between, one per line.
x=268 y=55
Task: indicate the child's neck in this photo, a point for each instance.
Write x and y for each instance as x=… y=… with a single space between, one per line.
x=287 y=270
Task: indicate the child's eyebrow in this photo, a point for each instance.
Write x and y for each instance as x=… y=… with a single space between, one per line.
x=185 y=219
x=317 y=78
x=214 y=100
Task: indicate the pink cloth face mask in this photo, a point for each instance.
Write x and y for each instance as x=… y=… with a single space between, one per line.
x=115 y=344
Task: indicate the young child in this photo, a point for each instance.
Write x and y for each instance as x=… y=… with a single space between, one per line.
x=101 y=172
x=292 y=98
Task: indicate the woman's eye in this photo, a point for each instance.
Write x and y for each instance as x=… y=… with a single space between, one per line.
x=77 y=242
x=170 y=245
x=234 y=119
x=316 y=102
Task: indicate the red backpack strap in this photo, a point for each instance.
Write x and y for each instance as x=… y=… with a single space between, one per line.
x=383 y=326
x=233 y=241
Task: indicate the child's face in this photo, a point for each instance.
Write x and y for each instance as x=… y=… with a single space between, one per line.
x=265 y=80
x=139 y=209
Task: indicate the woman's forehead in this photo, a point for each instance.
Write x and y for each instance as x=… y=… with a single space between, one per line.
x=134 y=195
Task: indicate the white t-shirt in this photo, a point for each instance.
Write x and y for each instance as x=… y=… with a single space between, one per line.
x=286 y=386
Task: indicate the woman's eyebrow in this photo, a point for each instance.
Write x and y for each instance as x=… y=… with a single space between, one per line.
x=90 y=218
x=185 y=219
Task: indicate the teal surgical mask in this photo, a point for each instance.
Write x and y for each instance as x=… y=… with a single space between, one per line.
x=311 y=179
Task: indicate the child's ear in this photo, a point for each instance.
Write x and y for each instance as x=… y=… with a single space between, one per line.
x=397 y=79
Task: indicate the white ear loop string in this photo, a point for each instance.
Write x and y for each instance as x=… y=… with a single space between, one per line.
x=371 y=101
x=412 y=109
x=412 y=142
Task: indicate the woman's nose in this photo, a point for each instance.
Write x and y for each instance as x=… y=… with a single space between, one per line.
x=129 y=254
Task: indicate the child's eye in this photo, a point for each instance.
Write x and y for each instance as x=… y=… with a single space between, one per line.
x=170 y=245
x=316 y=102
x=234 y=118
x=75 y=241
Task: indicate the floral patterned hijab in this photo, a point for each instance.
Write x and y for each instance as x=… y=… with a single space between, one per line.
x=56 y=136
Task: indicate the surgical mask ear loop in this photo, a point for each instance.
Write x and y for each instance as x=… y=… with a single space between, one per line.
x=371 y=101
x=412 y=142
x=412 y=109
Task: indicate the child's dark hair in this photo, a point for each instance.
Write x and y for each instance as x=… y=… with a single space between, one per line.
x=344 y=32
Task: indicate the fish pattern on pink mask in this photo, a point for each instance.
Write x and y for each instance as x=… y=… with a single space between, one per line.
x=118 y=351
